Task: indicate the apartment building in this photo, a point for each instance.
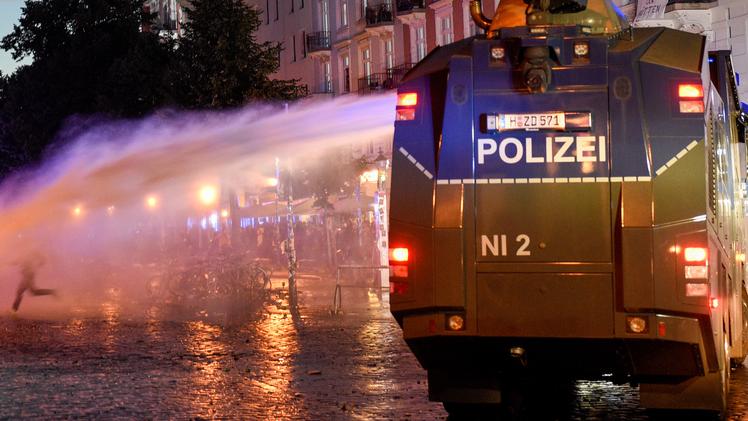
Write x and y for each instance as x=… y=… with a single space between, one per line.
x=169 y=16
x=338 y=47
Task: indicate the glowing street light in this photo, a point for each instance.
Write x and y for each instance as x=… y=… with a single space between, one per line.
x=110 y=210
x=271 y=182
x=208 y=195
x=225 y=213
x=78 y=211
x=151 y=202
x=371 y=176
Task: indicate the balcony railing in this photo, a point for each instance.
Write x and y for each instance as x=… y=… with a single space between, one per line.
x=406 y=6
x=378 y=14
x=317 y=41
x=377 y=82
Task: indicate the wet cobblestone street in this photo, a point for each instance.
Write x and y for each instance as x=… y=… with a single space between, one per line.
x=353 y=366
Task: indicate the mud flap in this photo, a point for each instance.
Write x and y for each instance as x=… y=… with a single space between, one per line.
x=698 y=393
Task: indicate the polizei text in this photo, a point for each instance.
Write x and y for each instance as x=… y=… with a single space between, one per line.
x=557 y=149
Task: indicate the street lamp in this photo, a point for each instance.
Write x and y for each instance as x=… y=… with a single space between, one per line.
x=151 y=202
x=271 y=182
x=208 y=195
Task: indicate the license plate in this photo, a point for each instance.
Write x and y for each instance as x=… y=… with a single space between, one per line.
x=554 y=121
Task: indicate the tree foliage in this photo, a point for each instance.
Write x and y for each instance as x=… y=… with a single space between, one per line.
x=92 y=59
x=222 y=64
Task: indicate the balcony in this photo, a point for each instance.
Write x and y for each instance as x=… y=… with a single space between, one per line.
x=410 y=6
x=379 y=82
x=318 y=42
x=378 y=14
x=411 y=11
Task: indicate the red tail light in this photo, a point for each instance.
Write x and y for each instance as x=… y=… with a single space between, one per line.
x=694 y=254
x=690 y=90
x=399 y=254
x=409 y=99
x=691 y=97
x=406 y=106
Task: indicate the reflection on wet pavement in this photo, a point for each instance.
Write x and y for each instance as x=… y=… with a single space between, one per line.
x=353 y=366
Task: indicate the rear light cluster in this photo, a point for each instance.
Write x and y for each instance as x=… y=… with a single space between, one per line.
x=696 y=271
x=691 y=98
x=399 y=258
x=406 y=106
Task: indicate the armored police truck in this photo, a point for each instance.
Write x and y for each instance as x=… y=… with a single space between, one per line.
x=568 y=203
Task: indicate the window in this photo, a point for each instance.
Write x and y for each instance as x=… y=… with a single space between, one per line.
x=327 y=77
x=293 y=45
x=344 y=13
x=325 y=16
x=267 y=12
x=276 y=9
x=468 y=24
x=292 y=3
x=346 y=74
x=366 y=63
x=303 y=44
x=301 y=6
x=389 y=59
x=445 y=30
x=420 y=43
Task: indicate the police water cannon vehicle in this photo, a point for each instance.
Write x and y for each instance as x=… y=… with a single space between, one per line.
x=568 y=202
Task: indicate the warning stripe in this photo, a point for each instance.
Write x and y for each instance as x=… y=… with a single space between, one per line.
x=560 y=180
x=418 y=165
x=661 y=170
x=675 y=159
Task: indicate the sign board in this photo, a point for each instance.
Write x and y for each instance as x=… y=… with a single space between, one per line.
x=650 y=9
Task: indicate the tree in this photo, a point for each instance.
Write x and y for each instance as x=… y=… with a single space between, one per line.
x=222 y=64
x=90 y=57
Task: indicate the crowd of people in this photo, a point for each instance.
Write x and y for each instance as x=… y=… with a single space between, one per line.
x=343 y=240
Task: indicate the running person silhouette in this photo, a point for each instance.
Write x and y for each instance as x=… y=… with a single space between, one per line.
x=29 y=266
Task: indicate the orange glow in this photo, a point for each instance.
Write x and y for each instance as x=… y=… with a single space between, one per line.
x=208 y=195
x=690 y=90
x=398 y=271
x=715 y=302
x=405 y=114
x=694 y=254
x=225 y=213
x=77 y=211
x=696 y=106
x=151 y=201
x=407 y=100
x=399 y=254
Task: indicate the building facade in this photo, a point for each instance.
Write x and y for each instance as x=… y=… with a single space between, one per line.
x=724 y=23
x=169 y=16
x=337 y=47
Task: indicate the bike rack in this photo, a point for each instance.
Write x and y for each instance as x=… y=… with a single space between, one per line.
x=337 y=298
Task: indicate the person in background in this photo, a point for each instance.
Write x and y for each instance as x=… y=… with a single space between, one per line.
x=29 y=267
